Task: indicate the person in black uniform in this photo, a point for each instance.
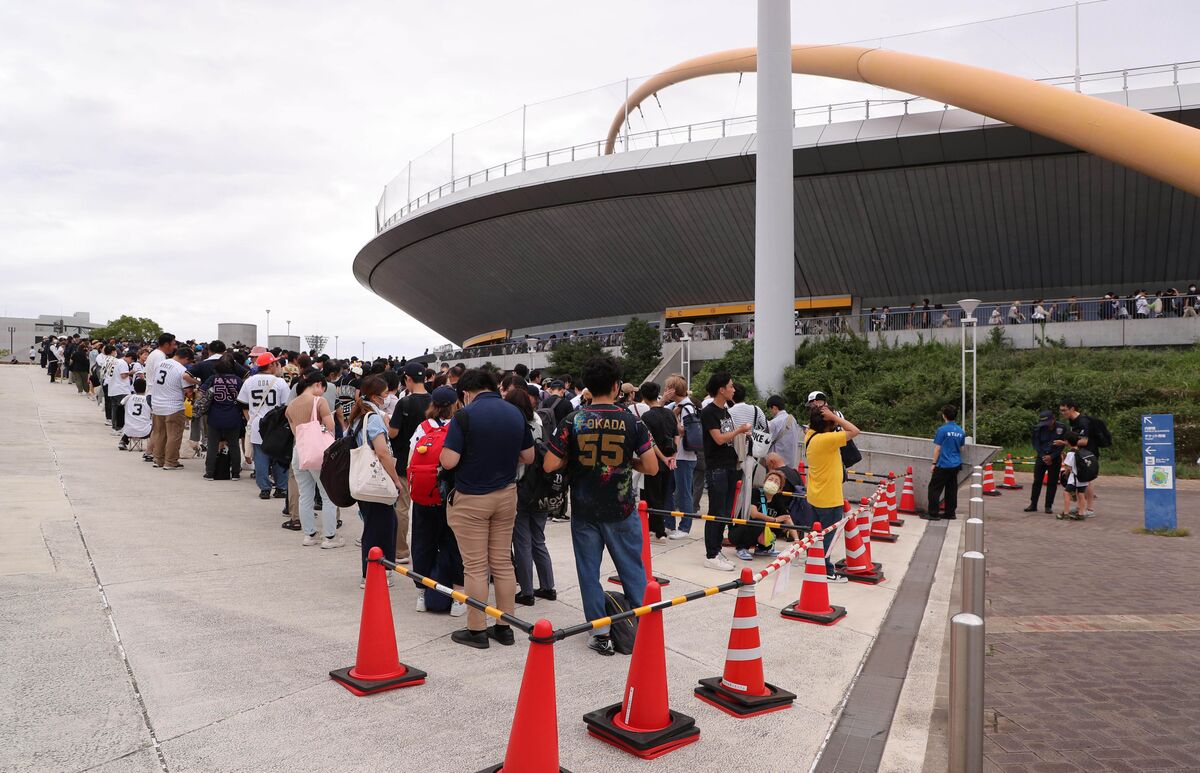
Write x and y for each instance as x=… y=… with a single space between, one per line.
x=1048 y=461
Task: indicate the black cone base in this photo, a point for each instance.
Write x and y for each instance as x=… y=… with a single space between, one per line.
x=500 y=767
x=884 y=538
x=680 y=732
x=873 y=577
x=712 y=692
x=829 y=618
x=662 y=581
x=361 y=687
x=896 y=523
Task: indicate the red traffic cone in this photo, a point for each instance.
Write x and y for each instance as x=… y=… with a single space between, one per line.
x=377 y=667
x=893 y=518
x=644 y=514
x=1045 y=477
x=857 y=565
x=814 y=606
x=908 y=497
x=880 y=525
x=1010 y=475
x=802 y=469
x=741 y=691
x=533 y=741
x=989 y=482
x=642 y=723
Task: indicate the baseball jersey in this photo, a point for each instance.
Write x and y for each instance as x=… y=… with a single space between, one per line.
x=260 y=393
x=168 y=387
x=137 y=416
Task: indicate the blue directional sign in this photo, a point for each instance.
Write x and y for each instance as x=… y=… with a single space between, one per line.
x=1158 y=465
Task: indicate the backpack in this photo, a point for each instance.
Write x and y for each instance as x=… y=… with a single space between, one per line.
x=423 y=467
x=335 y=468
x=693 y=433
x=545 y=412
x=539 y=491
x=850 y=455
x=221 y=468
x=1099 y=432
x=623 y=632
x=1087 y=465
x=276 y=434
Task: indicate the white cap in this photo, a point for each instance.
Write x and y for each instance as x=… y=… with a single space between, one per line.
x=817 y=396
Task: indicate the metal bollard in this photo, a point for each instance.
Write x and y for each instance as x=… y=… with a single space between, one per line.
x=976 y=505
x=973 y=569
x=977 y=493
x=974 y=532
x=966 y=694
x=977 y=476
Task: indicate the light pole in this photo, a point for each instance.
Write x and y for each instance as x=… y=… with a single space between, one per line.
x=968 y=320
x=11 y=353
x=686 y=329
x=530 y=342
x=289 y=327
x=335 y=347
x=364 y=352
x=268 y=328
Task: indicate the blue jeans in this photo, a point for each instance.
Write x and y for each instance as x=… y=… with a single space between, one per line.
x=683 y=494
x=309 y=483
x=826 y=516
x=721 y=483
x=624 y=542
x=264 y=466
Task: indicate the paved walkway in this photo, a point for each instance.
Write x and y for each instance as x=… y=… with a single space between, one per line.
x=155 y=621
x=1094 y=637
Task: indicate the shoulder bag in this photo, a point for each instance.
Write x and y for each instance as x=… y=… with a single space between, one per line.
x=369 y=482
x=312 y=438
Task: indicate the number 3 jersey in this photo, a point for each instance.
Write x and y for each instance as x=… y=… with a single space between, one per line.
x=599 y=443
x=137 y=416
x=260 y=393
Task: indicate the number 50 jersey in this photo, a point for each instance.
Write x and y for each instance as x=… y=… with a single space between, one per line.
x=262 y=392
x=599 y=443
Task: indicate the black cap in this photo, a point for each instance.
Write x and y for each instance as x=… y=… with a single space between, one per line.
x=1046 y=414
x=555 y=384
x=415 y=371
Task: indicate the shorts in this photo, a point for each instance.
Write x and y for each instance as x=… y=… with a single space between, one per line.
x=1075 y=488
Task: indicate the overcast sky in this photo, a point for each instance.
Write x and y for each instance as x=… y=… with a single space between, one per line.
x=200 y=162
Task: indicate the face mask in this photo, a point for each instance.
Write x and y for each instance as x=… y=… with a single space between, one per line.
x=771 y=488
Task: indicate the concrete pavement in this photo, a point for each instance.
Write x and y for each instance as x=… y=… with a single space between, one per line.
x=155 y=621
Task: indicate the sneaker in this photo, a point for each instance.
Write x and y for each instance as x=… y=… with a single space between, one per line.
x=677 y=534
x=559 y=518
x=172 y=466
x=208 y=477
x=290 y=525
x=1030 y=509
x=719 y=562
x=766 y=552
x=156 y=465
x=420 y=601
x=362 y=585
x=329 y=543
x=744 y=554
x=264 y=495
x=457 y=609
x=503 y=634
x=280 y=493
x=1049 y=510
x=469 y=638
x=1088 y=514
x=235 y=477
x=546 y=593
x=835 y=578
x=122 y=446
x=147 y=458
x=1061 y=516
x=602 y=644
x=310 y=540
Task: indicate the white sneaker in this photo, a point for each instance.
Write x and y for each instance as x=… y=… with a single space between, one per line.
x=420 y=601
x=719 y=562
x=362 y=585
x=677 y=534
x=404 y=560
x=329 y=543
x=310 y=540
x=458 y=609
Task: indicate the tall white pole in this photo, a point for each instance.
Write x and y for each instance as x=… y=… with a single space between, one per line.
x=774 y=262
x=1077 y=45
x=626 y=127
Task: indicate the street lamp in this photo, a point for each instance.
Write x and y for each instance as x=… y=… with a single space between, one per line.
x=968 y=320
x=289 y=327
x=268 y=328
x=530 y=342
x=335 y=347
x=364 y=353
x=686 y=329
x=11 y=352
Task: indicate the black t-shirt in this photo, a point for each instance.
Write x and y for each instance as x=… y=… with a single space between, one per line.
x=406 y=417
x=599 y=443
x=1081 y=425
x=663 y=428
x=713 y=416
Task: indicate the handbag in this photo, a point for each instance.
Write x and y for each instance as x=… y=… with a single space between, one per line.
x=369 y=482
x=312 y=438
x=760 y=439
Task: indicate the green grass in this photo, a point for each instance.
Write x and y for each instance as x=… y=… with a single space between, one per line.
x=901 y=389
x=1163 y=532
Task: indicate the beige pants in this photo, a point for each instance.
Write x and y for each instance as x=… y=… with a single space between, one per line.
x=403 y=508
x=483 y=525
x=165 y=438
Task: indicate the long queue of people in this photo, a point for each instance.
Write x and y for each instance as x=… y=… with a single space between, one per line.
x=482 y=462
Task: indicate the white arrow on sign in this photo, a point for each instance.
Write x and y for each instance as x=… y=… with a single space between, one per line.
x=1147 y=420
x=1150 y=450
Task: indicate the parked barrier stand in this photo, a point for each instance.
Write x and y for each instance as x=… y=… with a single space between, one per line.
x=966 y=693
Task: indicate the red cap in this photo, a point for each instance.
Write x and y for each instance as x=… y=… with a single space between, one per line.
x=265 y=359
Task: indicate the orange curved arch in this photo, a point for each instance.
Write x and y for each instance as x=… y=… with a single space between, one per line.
x=1160 y=148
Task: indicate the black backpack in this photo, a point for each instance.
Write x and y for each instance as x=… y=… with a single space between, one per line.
x=623 y=632
x=335 y=468
x=539 y=491
x=276 y=434
x=222 y=467
x=850 y=455
x=693 y=432
x=545 y=412
x=1087 y=465
x=1098 y=432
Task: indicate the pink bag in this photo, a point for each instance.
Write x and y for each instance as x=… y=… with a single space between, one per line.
x=311 y=441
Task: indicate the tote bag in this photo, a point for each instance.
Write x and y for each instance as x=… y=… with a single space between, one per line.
x=311 y=441
x=369 y=482
x=760 y=439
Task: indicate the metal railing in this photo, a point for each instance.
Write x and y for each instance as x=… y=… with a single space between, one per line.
x=1095 y=83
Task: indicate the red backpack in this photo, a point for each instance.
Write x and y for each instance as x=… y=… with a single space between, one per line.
x=423 y=468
